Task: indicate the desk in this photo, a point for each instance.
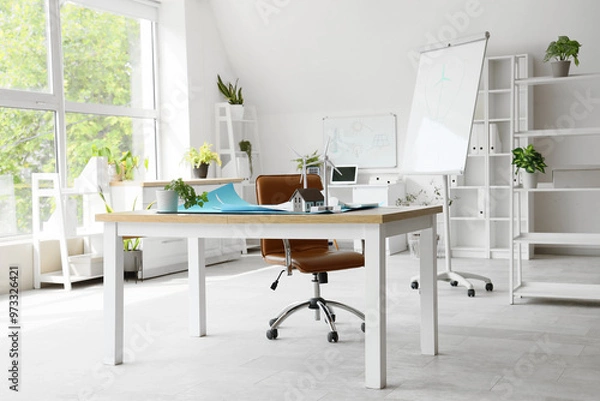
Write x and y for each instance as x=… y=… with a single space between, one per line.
x=372 y=225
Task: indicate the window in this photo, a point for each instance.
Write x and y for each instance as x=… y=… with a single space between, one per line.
x=52 y=110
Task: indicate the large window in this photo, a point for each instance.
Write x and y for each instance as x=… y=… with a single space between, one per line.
x=73 y=74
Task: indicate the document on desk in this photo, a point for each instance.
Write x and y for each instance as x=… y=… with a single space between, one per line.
x=226 y=200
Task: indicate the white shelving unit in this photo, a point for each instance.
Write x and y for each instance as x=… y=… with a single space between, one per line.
x=229 y=132
x=522 y=236
x=61 y=227
x=479 y=213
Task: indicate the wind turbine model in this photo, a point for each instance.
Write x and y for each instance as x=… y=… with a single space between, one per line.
x=325 y=161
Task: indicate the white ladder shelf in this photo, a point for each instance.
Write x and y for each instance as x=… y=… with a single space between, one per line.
x=47 y=185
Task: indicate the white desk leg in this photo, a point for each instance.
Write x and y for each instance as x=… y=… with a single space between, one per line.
x=113 y=295
x=428 y=290
x=375 y=313
x=197 y=283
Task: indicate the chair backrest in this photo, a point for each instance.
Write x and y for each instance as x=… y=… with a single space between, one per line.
x=275 y=189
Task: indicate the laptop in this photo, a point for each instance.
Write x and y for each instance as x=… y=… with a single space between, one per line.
x=344 y=175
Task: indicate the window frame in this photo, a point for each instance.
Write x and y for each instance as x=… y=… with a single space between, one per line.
x=54 y=100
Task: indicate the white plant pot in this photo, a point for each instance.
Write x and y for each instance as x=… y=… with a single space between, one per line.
x=529 y=180
x=166 y=201
x=237 y=112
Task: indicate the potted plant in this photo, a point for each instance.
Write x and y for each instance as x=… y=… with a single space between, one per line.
x=531 y=161
x=561 y=51
x=124 y=167
x=167 y=199
x=312 y=160
x=424 y=198
x=234 y=96
x=132 y=254
x=246 y=146
x=200 y=158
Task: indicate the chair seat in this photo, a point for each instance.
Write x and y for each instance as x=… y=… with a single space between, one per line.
x=318 y=260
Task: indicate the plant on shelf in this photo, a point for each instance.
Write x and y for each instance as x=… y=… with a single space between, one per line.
x=129 y=244
x=230 y=91
x=124 y=166
x=200 y=158
x=187 y=193
x=424 y=198
x=312 y=160
x=561 y=51
x=246 y=146
x=531 y=161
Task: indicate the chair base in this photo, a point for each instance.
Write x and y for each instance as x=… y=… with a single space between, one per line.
x=458 y=278
x=320 y=305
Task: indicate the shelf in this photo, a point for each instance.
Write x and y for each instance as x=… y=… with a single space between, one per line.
x=225 y=119
x=552 y=189
x=559 y=238
x=467 y=218
x=56 y=277
x=467 y=187
x=503 y=154
x=494 y=91
x=499 y=186
x=535 y=289
x=499 y=218
x=545 y=133
x=552 y=80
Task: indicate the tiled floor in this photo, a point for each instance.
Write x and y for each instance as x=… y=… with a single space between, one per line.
x=489 y=350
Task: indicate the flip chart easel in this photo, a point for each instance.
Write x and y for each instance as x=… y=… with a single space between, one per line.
x=439 y=127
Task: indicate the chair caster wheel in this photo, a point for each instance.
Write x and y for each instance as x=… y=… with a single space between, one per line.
x=362 y=327
x=332 y=337
x=471 y=293
x=454 y=283
x=272 y=321
x=272 y=334
x=414 y=285
x=489 y=287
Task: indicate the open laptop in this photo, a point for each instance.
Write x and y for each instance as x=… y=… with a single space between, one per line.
x=344 y=175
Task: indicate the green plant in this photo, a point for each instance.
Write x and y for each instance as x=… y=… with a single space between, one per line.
x=528 y=159
x=201 y=155
x=125 y=166
x=230 y=91
x=562 y=49
x=246 y=146
x=187 y=193
x=308 y=161
x=424 y=198
x=129 y=244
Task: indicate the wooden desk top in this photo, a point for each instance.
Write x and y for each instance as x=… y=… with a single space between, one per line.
x=368 y=216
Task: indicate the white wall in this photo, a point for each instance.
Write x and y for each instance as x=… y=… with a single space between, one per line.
x=190 y=55
x=300 y=61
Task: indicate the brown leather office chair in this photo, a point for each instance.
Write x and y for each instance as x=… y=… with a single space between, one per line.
x=308 y=256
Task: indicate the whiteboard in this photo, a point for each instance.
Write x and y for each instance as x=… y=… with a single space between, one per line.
x=441 y=117
x=364 y=141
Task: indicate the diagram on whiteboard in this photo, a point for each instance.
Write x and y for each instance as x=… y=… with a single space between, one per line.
x=366 y=141
x=444 y=82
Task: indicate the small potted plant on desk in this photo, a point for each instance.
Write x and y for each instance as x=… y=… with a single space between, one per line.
x=531 y=161
x=234 y=96
x=561 y=51
x=167 y=200
x=200 y=158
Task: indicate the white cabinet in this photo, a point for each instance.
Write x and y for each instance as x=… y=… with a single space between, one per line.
x=385 y=194
x=167 y=255
x=479 y=213
x=567 y=199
